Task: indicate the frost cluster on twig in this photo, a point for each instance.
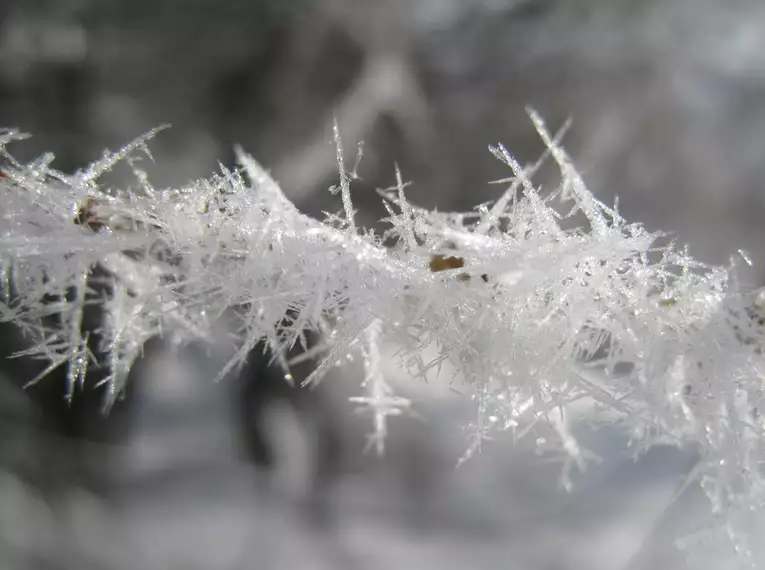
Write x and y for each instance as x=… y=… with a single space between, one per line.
x=534 y=316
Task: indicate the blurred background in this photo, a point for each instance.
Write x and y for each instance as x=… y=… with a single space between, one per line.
x=668 y=106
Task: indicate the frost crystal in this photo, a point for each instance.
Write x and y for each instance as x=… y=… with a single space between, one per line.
x=535 y=316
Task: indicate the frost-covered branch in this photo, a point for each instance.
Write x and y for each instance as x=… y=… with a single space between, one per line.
x=533 y=315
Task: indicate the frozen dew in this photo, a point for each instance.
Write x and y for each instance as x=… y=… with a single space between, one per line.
x=535 y=317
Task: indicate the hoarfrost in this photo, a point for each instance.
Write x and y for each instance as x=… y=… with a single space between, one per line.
x=534 y=316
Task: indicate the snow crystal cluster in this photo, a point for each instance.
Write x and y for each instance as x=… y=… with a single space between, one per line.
x=534 y=315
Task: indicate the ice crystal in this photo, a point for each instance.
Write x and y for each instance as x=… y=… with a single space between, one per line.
x=534 y=316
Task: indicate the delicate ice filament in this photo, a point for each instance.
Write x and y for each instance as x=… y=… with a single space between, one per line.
x=407 y=220
x=378 y=396
x=345 y=181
